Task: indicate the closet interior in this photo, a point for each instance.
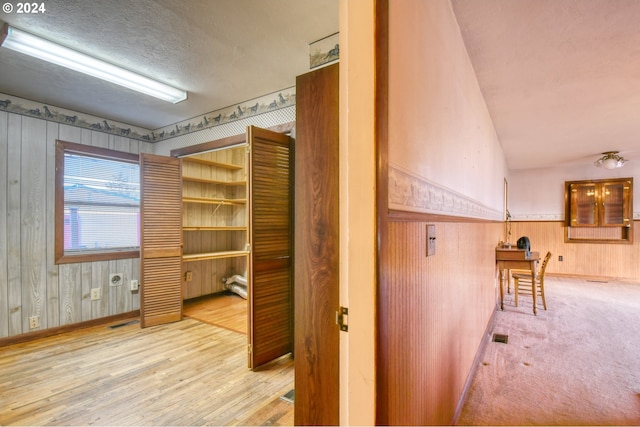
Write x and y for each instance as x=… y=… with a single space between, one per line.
x=215 y=222
x=236 y=235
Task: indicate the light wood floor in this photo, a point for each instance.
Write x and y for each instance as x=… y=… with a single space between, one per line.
x=183 y=373
x=226 y=310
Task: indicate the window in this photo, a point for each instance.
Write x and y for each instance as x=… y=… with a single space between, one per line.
x=97 y=213
x=599 y=211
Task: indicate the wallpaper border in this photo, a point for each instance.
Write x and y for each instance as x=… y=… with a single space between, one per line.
x=251 y=108
x=409 y=192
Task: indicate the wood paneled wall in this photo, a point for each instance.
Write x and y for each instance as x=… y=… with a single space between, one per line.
x=433 y=314
x=432 y=311
x=30 y=283
x=591 y=260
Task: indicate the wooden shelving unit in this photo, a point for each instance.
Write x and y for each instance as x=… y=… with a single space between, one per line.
x=214 y=201
x=229 y=166
x=214 y=181
x=222 y=182
x=214 y=255
x=216 y=228
x=215 y=218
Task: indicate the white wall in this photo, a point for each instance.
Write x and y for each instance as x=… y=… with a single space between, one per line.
x=444 y=154
x=538 y=194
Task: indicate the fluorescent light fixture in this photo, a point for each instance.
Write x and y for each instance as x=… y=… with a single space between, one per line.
x=20 y=41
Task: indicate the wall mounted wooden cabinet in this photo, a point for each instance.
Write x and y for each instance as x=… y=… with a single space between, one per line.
x=599 y=211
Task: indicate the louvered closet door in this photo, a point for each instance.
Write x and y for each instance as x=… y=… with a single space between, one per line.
x=271 y=236
x=161 y=240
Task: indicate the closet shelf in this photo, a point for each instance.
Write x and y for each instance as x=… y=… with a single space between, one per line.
x=214 y=181
x=214 y=255
x=228 y=166
x=220 y=228
x=214 y=201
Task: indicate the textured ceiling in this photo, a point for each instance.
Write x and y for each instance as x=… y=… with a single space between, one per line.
x=221 y=51
x=561 y=78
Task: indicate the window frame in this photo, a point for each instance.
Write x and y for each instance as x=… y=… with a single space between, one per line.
x=63 y=147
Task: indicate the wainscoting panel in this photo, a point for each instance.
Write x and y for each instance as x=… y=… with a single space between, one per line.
x=435 y=315
x=590 y=260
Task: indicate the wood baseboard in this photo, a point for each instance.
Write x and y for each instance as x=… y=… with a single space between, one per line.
x=29 y=336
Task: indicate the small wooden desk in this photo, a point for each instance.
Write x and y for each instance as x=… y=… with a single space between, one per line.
x=517 y=259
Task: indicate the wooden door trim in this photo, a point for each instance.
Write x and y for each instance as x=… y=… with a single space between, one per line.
x=381 y=141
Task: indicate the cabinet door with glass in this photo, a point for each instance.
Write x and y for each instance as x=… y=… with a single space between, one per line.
x=599 y=211
x=584 y=207
x=614 y=199
x=603 y=203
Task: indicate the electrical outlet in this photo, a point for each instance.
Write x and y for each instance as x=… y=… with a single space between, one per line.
x=34 y=322
x=188 y=276
x=115 y=279
x=134 y=285
x=560 y=258
x=95 y=294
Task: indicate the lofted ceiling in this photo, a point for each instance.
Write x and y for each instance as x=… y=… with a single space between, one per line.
x=561 y=78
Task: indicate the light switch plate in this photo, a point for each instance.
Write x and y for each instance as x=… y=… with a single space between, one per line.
x=431 y=239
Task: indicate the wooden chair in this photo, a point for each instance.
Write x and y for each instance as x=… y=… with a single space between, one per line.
x=522 y=283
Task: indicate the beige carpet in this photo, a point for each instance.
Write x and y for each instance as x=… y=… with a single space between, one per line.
x=578 y=363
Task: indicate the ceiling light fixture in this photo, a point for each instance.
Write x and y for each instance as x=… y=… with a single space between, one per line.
x=610 y=160
x=20 y=41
